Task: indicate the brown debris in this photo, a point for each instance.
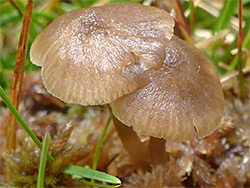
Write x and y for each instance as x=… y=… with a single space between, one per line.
x=161 y=176
x=35 y=95
x=219 y=160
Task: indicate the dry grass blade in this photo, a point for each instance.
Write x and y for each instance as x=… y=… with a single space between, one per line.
x=182 y=22
x=180 y=13
x=18 y=76
x=228 y=80
x=217 y=38
x=18 y=73
x=240 y=75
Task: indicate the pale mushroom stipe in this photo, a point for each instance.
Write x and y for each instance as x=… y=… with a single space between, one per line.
x=125 y=54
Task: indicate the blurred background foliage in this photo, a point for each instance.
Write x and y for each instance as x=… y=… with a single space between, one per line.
x=210 y=17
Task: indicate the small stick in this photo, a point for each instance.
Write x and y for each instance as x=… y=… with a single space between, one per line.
x=137 y=151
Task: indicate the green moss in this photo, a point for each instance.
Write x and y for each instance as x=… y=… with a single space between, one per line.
x=24 y=164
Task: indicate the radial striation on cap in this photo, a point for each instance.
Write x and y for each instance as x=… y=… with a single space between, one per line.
x=184 y=99
x=93 y=56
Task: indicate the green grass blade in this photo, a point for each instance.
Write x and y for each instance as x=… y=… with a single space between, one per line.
x=99 y=145
x=20 y=120
x=43 y=159
x=91 y=174
x=3 y=77
x=225 y=15
x=224 y=18
x=191 y=16
x=10 y=18
x=245 y=2
x=45 y=15
x=20 y=5
x=100 y=185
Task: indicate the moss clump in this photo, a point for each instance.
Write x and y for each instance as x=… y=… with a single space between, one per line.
x=24 y=164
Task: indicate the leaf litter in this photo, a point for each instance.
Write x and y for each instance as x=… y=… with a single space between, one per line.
x=220 y=160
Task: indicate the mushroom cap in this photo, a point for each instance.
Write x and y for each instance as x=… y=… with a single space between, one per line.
x=184 y=99
x=93 y=56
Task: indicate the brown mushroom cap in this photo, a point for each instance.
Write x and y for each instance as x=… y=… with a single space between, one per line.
x=93 y=56
x=185 y=97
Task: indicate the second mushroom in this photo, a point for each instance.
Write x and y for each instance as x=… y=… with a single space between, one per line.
x=184 y=99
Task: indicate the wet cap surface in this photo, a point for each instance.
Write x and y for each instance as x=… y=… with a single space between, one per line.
x=185 y=97
x=93 y=56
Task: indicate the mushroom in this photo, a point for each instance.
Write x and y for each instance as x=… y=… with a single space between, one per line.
x=93 y=56
x=184 y=99
x=101 y=53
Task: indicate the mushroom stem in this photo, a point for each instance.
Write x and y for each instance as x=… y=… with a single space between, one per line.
x=137 y=151
x=157 y=151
